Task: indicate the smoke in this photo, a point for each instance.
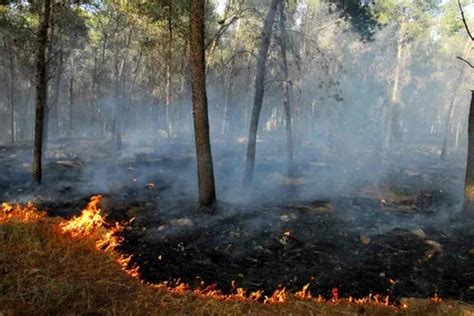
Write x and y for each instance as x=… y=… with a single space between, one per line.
x=340 y=88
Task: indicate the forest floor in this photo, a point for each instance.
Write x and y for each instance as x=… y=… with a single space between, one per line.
x=389 y=228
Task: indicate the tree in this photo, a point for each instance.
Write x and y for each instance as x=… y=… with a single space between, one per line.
x=286 y=85
x=468 y=206
x=452 y=107
x=412 y=20
x=205 y=169
x=41 y=91
x=259 y=89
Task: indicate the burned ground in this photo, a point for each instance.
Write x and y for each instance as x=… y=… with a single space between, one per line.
x=394 y=232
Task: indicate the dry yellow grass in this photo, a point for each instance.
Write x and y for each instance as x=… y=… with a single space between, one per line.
x=43 y=272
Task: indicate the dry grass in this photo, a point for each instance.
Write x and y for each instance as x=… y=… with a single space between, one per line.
x=43 y=272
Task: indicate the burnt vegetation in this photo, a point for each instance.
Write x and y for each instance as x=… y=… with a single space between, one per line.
x=239 y=150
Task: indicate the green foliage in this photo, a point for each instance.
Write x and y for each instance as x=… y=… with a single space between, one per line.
x=450 y=22
x=359 y=14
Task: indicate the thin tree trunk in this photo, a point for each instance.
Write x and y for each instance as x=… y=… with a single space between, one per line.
x=41 y=91
x=169 y=57
x=449 y=117
x=118 y=68
x=48 y=106
x=71 y=106
x=394 y=106
x=11 y=97
x=132 y=86
x=458 y=135
x=53 y=109
x=286 y=87
x=468 y=207
x=229 y=83
x=207 y=191
x=93 y=97
x=99 y=83
x=259 y=90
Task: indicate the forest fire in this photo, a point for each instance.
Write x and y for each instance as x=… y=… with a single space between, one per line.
x=88 y=222
x=24 y=214
x=196 y=157
x=91 y=224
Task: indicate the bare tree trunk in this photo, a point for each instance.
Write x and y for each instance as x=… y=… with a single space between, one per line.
x=449 y=117
x=11 y=97
x=229 y=85
x=207 y=193
x=54 y=104
x=468 y=208
x=71 y=106
x=41 y=91
x=286 y=87
x=93 y=97
x=458 y=135
x=118 y=68
x=394 y=107
x=169 y=57
x=99 y=80
x=259 y=90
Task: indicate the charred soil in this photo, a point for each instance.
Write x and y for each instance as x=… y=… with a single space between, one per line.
x=401 y=237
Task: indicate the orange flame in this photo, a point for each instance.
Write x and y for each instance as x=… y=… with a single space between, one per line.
x=279 y=296
x=436 y=298
x=26 y=214
x=88 y=222
x=304 y=293
x=91 y=224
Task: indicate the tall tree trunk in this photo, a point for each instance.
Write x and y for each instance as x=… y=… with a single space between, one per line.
x=395 y=106
x=207 y=193
x=54 y=104
x=286 y=87
x=93 y=97
x=458 y=135
x=259 y=90
x=41 y=91
x=228 y=87
x=169 y=57
x=71 y=106
x=11 y=97
x=449 y=117
x=98 y=91
x=468 y=208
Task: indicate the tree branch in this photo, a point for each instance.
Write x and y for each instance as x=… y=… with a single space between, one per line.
x=464 y=60
x=464 y=21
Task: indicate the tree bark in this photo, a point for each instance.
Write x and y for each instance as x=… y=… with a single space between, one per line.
x=71 y=106
x=228 y=87
x=11 y=97
x=468 y=208
x=206 y=185
x=451 y=110
x=169 y=56
x=54 y=104
x=449 y=117
x=259 y=90
x=286 y=88
x=41 y=91
x=395 y=105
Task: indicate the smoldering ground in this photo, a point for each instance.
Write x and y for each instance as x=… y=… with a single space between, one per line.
x=359 y=217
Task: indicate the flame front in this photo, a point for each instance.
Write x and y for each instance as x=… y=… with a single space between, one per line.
x=91 y=224
x=24 y=214
x=88 y=222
